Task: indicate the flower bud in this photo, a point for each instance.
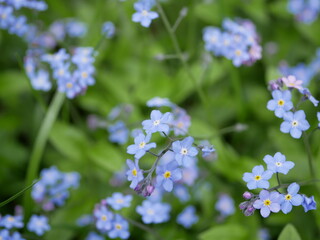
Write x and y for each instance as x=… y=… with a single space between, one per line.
x=247 y=195
x=249 y=211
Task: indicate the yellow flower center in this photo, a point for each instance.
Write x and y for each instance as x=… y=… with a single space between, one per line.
x=280 y=102
x=267 y=202
x=84 y=74
x=288 y=197
x=118 y=226
x=4 y=16
x=180 y=125
x=69 y=85
x=213 y=39
x=167 y=174
x=144 y=13
x=104 y=218
x=119 y=200
x=134 y=172
x=184 y=151
x=238 y=52
x=61 y=72
x=294 y=123
x=150 y=211
x=257 y=178
x=142 y=144
x=10 y=219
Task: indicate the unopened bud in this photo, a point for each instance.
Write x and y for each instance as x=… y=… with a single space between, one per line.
x=249 y=211
x=247 y=195
x=184 y=12
x=244 y=205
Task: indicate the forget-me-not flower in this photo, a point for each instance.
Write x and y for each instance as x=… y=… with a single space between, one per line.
x=108 y=29
x=225 y=205
x=158 y=122
x=134 y=173
x=292 y=198
x=9 y=221
x=278 y=163
x=154 y=212
x=268 y=202
x=119 y=228
x=141 y=145
x=184 y=151
x=168 y=174
x=104 y=218
x=188 y=217
x=309 y=203
x=280 y=103
x=38 y=224
x=119 y=201
x=294 y=123
x=258 y=178
x=143 y=14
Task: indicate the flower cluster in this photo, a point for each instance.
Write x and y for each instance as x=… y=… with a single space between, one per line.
x=294 y=122
x=52 y=190
x=305 y=11
x=303 y=72
x=69 y=27
x=18 y=24
x=176 y=163
x=37 y=224
x=144 y=15
x=238 y=42
x=270 y=199
x=73 y=74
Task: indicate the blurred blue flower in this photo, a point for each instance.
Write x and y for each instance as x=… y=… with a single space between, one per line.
x=309 y=203
x=159 y=102
x=119 y=228
x=168 y=174
x=19 y=26
x=181 y=192
x=9 y=221
x=225 y=205
x=134 y=173
x=119 y=201
x=143 y=14
x=184 y=151
x=268 y=202
x=278 y=163
x=294 y=123
x=181 y=122
x=103 y=218
x=85 y=220
x=94 y=236
x=154 y=212
x=280 y=103
x=119 y=132
x=307 y=95
x=141 y=146
x=188 y=217
x=38 y=224
x=76 y=28
x=108 y=29
x=258 y=178
x=292 y=198
x=6 y=16
x=15 y=236
x=158 y=122
x=40 y=80
x=5 y=234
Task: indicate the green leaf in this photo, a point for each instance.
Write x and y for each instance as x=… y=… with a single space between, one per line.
x=289 y=232
x=225 y=232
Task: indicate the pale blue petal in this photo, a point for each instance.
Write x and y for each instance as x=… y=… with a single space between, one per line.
x=265 y=212
x=295 y=132
x=286 y=207
x=285 y=127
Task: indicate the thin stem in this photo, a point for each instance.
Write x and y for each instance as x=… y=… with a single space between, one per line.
x=156 y=155
x=278 y=179
x=143 y=227
x=40 y=144
x=178 y=21
x=179 y=52
x=310 y=158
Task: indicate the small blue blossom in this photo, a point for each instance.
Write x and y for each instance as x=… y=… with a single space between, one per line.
x=119 y=132
x=6 y=17
x=9 y=221
x=40 y=80
x=50 y=176
x=141 y=146
x=181 y=122
x=309 y=203
x=268 y=202
x=75 y=28
x=225 y=205
x=119 y=201
x=5 y=234
x=188 y=217
x=19 y=26
x=154 y=212
x=134 y=173
x=280 y=103
x=103 y=218
x=94 y=236
x=294 y=123
x=318 y=116
x=292 y=198
x=119 y=228
x=168 y=174
x=278 y=163
x=184 y=152
x=158 y=122
x=143 y=14
x=108 y=29
x=38 y=224
x=16 y=236
x=181 y=192
x=159 y=102
x=307 y=95
x=258 y=178
x=85 y=220
x=190 y=174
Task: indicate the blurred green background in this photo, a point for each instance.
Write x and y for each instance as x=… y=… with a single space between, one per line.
x=128 y=72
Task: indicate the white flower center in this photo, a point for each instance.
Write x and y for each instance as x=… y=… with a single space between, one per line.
x=156 y=122
x=294 y=123
x=184 y=151
x=279 y=164
x=144 y=13
x=142 y=144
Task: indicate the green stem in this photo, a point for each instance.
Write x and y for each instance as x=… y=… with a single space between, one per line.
x=310 y=158
x=179 y=53
x=40 y=144
x=278 y=179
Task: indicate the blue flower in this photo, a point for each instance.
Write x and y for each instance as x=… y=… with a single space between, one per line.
x=181 y=192
x=159 y=102
x=4 y=234
x=258 y=178
x=50 y=176
x=119 y=201
x=119 y=132
x=38 y=224
x=184 y=152
x=15 y=236
x=292 y=198
x=168 y=174
x=158 y=122
x=268 y=202
x=307 y=95
x=40 y=80
x=318 y=116
x=103 y=218
x=76 y=29
x=85 y=220
x=188 y=217
x=213 y=40
x=280 y=103
x=278 y=163
x=9 y=221
x=143 y=14
x=119 y=228
x=94 y=236
x=154 y=212
x=134 y=173
x=140 y=146
x=108 y=29
x=309 y=203
x=181 y=122
x=294 y=123
x=84 y=75
x=6 y=17
x=19 y=26
x=239 y=55
x=225 y=205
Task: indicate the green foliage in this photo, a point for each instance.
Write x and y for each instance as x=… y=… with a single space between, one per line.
x=289 y=232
